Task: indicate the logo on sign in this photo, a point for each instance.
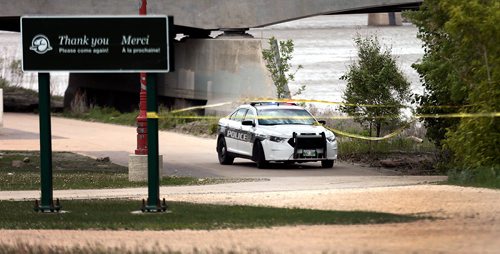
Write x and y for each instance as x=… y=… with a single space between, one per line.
x=40 y=44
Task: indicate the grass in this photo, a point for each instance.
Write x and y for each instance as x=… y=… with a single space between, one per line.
x=7 y=88
x=167 y=121
x=73 y=171
x=348 y=146
x=352 y=147
x=481 y=178
x=116 y=215
x=104 y=115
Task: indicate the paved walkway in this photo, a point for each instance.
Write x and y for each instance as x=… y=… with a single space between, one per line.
x=273 y=184
x=183 y=154
x=21 y=132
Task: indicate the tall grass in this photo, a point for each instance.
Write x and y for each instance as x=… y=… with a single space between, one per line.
x=102 y=114
x=411 y=140
x=167 y=120
x=483 y=177
x=398 y=144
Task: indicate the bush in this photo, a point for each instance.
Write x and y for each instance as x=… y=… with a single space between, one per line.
x=485 y=177
x=460 y=68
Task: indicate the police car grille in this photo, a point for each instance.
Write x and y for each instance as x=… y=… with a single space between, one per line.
x=308 y=142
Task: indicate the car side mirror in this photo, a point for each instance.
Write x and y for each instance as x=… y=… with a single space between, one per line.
x=248 y=123
x=323 y=122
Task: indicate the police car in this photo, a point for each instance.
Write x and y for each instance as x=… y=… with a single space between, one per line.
x=274 y=132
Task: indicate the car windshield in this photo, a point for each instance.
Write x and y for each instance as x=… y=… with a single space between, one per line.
x=284 y=116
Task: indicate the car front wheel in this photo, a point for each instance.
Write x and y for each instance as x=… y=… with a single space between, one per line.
x=327 y=164
x=259 y=156
x=224 y=157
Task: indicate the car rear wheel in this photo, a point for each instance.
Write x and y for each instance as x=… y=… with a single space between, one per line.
x=224 y=157
x=327 y=163
x=259 y=156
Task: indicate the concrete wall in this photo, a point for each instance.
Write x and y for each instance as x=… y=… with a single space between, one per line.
x=212 y=70
x=385 y=19
x=218 y=70
x=205 y=14
x=1 y=108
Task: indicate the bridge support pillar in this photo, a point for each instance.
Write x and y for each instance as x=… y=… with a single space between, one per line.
x=1 y=108
x=385 y=19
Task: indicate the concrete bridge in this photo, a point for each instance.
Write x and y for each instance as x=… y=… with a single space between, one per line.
x=207 y=69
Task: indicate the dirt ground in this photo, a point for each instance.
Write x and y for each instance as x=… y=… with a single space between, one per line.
x=467 y=220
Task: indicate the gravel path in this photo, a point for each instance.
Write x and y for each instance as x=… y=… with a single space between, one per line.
x=468 y=221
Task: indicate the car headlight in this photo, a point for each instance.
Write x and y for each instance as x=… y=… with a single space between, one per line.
x=277 y=139
x=331 y=138
x=272 y=138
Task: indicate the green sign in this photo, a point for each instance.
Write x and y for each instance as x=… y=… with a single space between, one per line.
x=97 y=44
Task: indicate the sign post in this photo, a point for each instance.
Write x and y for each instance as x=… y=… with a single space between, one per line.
x=91 y=44
x=46 y=202
x=153 y=202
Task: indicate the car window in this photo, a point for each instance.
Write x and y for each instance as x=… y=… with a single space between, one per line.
x=232 y=115
x=238 y=115
x=250 y=115
x=284 y=116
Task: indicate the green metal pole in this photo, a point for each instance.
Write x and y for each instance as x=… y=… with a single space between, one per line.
x=153 y=169
x=45 y=141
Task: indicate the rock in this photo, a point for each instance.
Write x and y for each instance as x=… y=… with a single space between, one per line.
x=103 y=159
x=26 y=160
x=17 y=164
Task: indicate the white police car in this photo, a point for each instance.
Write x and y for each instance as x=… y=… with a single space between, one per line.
x=274 y=132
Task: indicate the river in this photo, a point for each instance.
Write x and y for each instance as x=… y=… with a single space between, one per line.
x=324 y=46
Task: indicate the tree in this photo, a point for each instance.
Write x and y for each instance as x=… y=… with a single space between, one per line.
x=439 y=76
x=16 y=73
x=278 y=63
x=374 y=80
x=460 y=68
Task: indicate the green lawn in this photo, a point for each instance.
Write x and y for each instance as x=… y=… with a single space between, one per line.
x=73 y=171
x=117 y=215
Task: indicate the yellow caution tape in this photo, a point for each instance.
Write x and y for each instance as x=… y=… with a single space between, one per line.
x=388 y=136
x=459 y=115
x=400 y=130
x=153 y=115
x=346 y=134
x=201 y=107
x=452 y=115
x=346 y=104
x=191 y=117
x=322 y=102
x=306 y=101
x=338 y=132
